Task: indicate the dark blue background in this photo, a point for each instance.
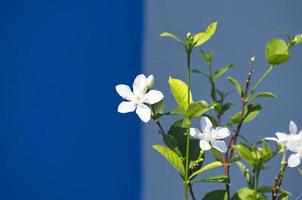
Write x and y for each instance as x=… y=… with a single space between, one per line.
x=60 y=134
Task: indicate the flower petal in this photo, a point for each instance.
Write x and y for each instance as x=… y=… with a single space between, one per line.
x=294 y=160
x=206 y=124
x=272 y=139
x=222 y=133
x=293 y=129
x=195 y=132
x=143 y=112
x=219 y=145
x=126 y=106
x=140 y=85
x=282 y=137
x=153 y=96
x=124 y=91
x=204 y=145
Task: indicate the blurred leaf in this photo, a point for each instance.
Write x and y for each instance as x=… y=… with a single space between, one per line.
x=198 y=108
x=248 y=194
x=235 y=159
x=206 y=168
x=245 y=153
x=264 y=95
x=172 y=158
x=216 y=195
x=221 y=71
x=252 y=110
x=171 y=35
x=297 y=39
x=237 y=85
x=201 y=72
x=276 y=51
x=207 y=56
x=283 y=196
x=226 y=107
x=246 y=173
x=180 y=92
x=176 y=111
x=216 y=179
x=158 y=109
x=202 y=37
x=300 y=171
x=217 y=154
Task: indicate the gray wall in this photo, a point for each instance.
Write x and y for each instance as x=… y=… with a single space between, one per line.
x=243 y=30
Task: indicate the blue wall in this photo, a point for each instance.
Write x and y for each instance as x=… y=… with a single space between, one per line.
x=60 y=134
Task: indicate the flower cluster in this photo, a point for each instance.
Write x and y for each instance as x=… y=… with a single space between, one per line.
x=291 y=142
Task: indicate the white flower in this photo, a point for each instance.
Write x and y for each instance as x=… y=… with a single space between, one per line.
x=295 y=145
x=283 y=138
x=139 y=99
x=210 y=137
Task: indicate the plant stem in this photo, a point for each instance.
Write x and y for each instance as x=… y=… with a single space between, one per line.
x=233 y=140
x=191 y=191
x=278 y=180
x=262 y=78
x=186 y=183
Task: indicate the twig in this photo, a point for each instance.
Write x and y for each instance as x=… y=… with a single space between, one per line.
x=233 y=140
x=278 y=181
x=191 y=191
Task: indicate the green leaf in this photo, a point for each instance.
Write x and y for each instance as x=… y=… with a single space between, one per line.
x=237 y=85
x=226 y=107
x=248 y=194
x=217 y=154
x=172 y=158
x=198 y=108
x=207 y=56
x=234 y=159
x=265 y=189
x=264 y=95
x=206 y=168
x=180 y=92
x=245 y=171
x=283 y=196
x=276 y=51
x=202 y=37
x=201 y=72
x=234 y=119
x=252 y=110
x=175 y=111
x=216 y=179
x=171 y=35
x=178 y=132
x=245 y=153
x=216 y=195
x=221 y=71
x=158 y=109
x=300 y=171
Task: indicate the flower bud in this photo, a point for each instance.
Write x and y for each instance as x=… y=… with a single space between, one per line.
x=253 y=59
x=298 y=39
x=150 y=81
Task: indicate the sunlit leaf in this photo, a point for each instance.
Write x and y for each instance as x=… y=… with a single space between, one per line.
x=202 y=37
x=207 y=167
x=180 y=92
x=216 y=179
x=172 y=158
x=276 y=51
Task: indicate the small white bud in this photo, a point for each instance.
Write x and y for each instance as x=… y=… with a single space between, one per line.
x=150 y=81
x=253 y=59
